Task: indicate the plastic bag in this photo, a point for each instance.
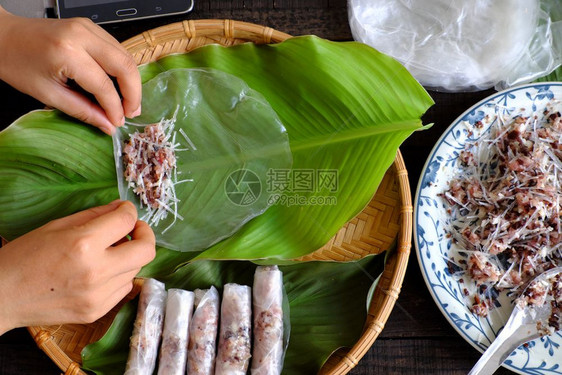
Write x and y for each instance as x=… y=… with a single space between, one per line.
x=455 y=45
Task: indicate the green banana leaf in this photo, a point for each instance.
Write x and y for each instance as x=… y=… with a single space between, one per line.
x=346 y=108
x=235 y=127
x=555 y=76
x=51 y=166
x=229 y=137
x=327 y=309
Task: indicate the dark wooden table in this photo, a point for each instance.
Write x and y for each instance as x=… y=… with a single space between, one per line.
x=417 y=339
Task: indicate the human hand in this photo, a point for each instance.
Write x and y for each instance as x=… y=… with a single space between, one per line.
x=41 y=56
x=74 y=269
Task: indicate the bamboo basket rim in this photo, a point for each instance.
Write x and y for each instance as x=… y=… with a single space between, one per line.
x=187 y=35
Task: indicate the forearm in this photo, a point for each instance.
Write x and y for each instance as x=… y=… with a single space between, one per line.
x=4 y=327
x=5 y=320
x=5 y=18
x=8 y=22
x=8 y=301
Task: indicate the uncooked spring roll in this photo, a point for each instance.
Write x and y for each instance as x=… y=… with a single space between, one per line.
x=203 y=333
x=173 y=350
x=234 y=351
x=148 y=329
x=268 y=321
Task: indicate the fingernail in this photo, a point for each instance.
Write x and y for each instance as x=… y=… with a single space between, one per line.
x=122 y=121
x=137 y=112
x=108 y=129
x=115 y=202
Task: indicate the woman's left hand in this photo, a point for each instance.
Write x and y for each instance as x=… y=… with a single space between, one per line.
x=41 y=56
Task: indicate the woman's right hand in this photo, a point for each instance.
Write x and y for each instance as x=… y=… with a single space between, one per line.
x=74 y=269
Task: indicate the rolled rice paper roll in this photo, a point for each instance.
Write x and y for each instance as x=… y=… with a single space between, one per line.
x=234 y=350
x=267 y=356
x=175 y=336
x=148 y=329
x=203 y=333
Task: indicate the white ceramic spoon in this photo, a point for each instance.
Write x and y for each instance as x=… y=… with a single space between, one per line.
x=520 y=328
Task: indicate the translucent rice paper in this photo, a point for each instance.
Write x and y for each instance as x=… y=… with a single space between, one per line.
x=147 y=331
x=233 y=138
x=234 y=349
x=201 y=350
x=268 y=353
x=175 y=336
x=457 y=45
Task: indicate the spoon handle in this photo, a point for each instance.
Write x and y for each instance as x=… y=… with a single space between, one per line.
x=514 y=333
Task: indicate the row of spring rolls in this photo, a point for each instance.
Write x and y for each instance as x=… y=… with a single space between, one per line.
x=189 y=337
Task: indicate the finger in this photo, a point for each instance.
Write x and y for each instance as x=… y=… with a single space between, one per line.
x=127 y=277
x=79 y=106
x=89 y=75
x=119 y=63
x=101 y=33
x=121 y=241
x=117 y=279
x=122 y=285
x=131 y=89
x=111 y=226
x=104 y=35
x=137 y=252
x=120 y=292
x=82 y=217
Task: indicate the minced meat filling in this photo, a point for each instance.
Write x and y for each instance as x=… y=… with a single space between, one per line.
x=505 y=204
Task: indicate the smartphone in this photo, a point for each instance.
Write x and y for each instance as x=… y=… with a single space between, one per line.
x=106 y=11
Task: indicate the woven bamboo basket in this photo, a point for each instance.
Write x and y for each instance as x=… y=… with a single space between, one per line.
x=387 y=219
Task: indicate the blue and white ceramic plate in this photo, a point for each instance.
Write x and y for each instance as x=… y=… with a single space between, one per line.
x=434 y=248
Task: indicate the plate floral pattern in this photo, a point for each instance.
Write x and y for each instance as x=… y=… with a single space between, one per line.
x=434 y=248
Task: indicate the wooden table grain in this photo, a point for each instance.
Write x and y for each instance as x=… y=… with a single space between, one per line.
x=417 y=339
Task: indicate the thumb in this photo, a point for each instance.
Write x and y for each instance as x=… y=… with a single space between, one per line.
x=82 y=217
x=76 y=104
